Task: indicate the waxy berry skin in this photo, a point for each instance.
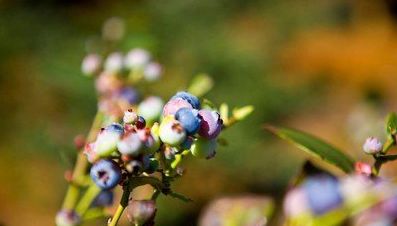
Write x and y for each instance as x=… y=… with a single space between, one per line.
x=193 y=100
x=189 y=120
x=107 y=140
x=323 y=193
x=130 y=144
x=151 y=109
x=173 y=105
x=171 y=131
x=106 y=174
x=105 y=198
x=210 y=125
x=67 y=218
x=204 y=148
x=372 y=146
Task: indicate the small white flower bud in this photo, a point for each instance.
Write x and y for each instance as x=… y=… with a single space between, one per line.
x=372 y=146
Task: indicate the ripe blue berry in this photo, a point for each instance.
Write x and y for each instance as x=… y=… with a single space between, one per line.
x=107 y=140
x=130 y=144
x=210 y=125
x=105 y=198
x=173 y=105
x=106 y=174
x=204 y=148
x=151 y=109
x=193 y=100
x=171 y=131
x=67 y=218
x=189 y=120
x=323 y=193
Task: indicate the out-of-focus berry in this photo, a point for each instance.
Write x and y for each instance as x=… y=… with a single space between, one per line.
x=134 y=167
x=204 y=148
x=210 y=125
x=137 y=58
x=91 y=64
x=128 y=95
x=372 y=146
x=107 y=83
x=295 y=203
x=189 y=119
x=172 y=106
x=105 y=198
x=141 y=212
x=193 y=100
x=114 y=63
x=323 y=193
x=363 y=168
x=129 y=117
x=152 y=72
x=151 y=109
x=171 y=131
x=106 y=174
x=113 y=29
x=67 y=218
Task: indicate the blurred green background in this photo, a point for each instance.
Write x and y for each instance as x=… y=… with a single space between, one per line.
x=328 y=67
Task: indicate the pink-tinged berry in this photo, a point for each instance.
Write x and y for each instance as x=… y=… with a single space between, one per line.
x=173 y=105
x=106 y=174
x=372 y=146
x=91 y=64
x=141 y=212
x=204 y=148
x=151 y=109
x=295 y=203
x=136 y=58
x=152 y=72
x=90 y=153
x=171 y=131
x=107 y=83
x=130 y=144
x=67 y=218
x=210 y=125
x=363 y=168
x=114 y=63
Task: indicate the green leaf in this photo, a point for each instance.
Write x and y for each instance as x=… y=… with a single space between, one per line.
x=200 y=85
x=391 y=124
x=243 y=112
x=315 y=147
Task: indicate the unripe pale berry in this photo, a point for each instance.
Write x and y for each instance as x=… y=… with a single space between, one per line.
x=151 y=109
x=363 y=168
x=173 y=105
x=106 y=174
x=67 y=218
x=141 y=212
x=193 y=100
x=152 y=72
x=114 y=62
x=130 y=144
x=107 y=83
x=204 y=148
x=323 y=193
x=189 y=120
x=107 y=140
x=129 y=117
x=372 y=146
x=171 y=131
x=91 y=64
x=136 y=58
x=210 y=124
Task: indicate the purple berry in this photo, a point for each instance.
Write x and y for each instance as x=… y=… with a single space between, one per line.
x=140 y=123
x=189 y=119
x=323 y=193
x=211 y=124
x=106 y=174
x=193 y=100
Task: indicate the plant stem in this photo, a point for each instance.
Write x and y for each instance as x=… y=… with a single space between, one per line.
x=123 y=203
x=85 y=202
x=80 y=168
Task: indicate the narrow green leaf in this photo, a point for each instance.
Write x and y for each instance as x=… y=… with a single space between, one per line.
x=315 y=147
x=243 y=112
x=391 y=124
x=200 y=85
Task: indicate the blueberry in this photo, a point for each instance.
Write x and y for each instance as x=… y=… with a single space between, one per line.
x=67 y=218
x=140 y=122
x=187 y=143
x=114 y=62
x=105 y=198
x=130 y=144
x=204 y=148
x=189 y=119
x=323 y=193
x=150 y=140
x=137 y=58
x=172 y=106
x=151 y=109
x=193 y=100
x=129 y=95
x=171 y=131
x=134 y=167
x=91 y=64
x=150 y=165
x=106 y=174
x=152 y=72
x=210 y=125
x=141 y=212
x=106 y=142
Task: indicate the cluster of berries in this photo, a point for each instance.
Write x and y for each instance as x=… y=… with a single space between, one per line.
x=130 y=148
x=115 y=76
